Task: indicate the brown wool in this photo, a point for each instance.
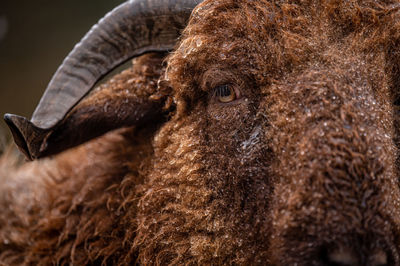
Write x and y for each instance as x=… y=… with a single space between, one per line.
x=300 y=169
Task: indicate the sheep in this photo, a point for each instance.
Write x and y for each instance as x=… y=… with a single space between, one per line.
x=268 y=136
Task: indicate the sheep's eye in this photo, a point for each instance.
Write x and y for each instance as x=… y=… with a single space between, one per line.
x=225 y=93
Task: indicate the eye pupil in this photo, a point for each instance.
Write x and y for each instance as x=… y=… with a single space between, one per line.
x=225 y=93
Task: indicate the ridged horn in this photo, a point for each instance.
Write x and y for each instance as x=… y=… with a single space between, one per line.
x=26 y=135
x=131 y=29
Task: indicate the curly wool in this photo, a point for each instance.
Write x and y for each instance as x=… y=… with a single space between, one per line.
x=82 y=203
x=319 y=117
x=302 y=164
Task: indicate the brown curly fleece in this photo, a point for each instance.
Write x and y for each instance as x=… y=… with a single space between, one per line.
x=300 y=169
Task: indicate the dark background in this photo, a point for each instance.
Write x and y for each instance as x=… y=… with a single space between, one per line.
x=35 y=36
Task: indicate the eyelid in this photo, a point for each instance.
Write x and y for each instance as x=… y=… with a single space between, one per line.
x=215 y=77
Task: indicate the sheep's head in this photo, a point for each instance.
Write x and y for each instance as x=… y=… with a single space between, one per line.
x=282 y=142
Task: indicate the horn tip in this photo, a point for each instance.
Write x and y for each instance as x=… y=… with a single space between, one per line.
x=18 y=125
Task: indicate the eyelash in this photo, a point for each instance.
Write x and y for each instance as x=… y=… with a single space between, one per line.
x=226 y=93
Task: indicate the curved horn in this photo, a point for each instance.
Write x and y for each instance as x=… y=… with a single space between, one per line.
x=132 y=29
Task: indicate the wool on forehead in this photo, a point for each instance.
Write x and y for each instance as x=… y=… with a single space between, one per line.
x=267 y=40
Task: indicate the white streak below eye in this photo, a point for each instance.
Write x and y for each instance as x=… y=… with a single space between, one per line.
x=252 y=140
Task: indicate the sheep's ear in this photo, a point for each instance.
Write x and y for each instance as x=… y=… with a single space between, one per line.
x=134 y=28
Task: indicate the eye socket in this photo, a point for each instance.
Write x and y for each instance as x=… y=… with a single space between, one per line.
x=225 y=93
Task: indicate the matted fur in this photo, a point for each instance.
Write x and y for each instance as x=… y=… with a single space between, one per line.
x=303 y=164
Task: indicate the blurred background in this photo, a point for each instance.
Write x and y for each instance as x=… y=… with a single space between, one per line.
x=35 y=36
